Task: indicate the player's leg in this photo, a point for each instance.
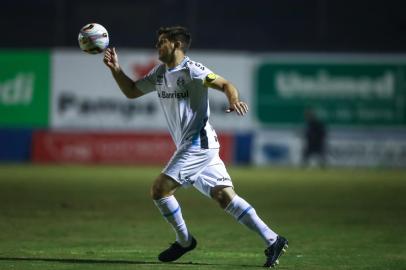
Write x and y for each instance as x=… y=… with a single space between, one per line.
x=181 y=170
x=243 y=212
x=162 y=193
x=215 y=182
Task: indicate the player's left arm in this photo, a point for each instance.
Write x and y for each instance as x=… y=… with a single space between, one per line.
x=217 y=82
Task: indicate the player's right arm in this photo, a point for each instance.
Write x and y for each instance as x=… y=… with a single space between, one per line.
x=127 y=85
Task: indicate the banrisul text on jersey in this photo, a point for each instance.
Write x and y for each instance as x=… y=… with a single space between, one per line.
x=164 y=94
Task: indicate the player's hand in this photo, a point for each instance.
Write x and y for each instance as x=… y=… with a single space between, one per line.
x=111 y=59
x=238 y=106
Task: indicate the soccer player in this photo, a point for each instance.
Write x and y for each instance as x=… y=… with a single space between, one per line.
x=182 y=86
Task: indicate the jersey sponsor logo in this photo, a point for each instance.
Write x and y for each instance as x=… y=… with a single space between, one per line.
x=178 y=95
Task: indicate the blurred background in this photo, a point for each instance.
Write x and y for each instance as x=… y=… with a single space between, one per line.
x=325 y=81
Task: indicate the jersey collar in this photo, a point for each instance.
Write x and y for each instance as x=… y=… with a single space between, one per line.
x=181 y=64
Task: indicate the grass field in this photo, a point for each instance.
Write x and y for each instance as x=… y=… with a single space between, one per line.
x=73 y=217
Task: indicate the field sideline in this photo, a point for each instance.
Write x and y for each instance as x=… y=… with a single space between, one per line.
x=101 y=217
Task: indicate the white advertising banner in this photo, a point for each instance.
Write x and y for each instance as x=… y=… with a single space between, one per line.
x=368 y=149
x=85 y=95
x=350 y=148
x=276 y=147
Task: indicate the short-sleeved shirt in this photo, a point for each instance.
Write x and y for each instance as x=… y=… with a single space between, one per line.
x=184 y=100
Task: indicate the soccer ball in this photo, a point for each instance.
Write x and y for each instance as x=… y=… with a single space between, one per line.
x=93 y=38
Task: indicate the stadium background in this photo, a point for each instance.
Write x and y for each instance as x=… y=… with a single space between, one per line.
x=344 y=60
x=77 y=159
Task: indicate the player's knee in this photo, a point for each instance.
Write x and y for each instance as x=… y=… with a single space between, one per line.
x=157 y=192
x=222 y=195
x=162 y=187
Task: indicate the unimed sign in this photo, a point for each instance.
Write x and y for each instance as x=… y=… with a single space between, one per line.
x=366 y=92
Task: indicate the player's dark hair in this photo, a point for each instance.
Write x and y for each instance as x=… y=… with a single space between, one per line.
x=177 y=33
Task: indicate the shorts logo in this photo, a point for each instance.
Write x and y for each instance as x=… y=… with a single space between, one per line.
x=223 y=179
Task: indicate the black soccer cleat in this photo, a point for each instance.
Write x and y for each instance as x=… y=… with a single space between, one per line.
x=175 y=251
x=274 y=251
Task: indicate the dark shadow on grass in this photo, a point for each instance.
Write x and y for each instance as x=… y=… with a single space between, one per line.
x=104 y=261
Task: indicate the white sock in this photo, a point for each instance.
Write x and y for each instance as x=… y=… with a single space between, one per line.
x=244 y=213
x=170 y=209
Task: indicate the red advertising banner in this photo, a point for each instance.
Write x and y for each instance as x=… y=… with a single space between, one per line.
x=110 y=147
x=226 y=147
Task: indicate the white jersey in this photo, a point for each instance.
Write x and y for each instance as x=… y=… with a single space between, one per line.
x=184 y=100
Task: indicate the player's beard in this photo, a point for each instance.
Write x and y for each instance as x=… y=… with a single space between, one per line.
x=168 y=57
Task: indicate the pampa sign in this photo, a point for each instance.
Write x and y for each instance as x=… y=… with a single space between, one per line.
x=86 y=97
x=347 y=93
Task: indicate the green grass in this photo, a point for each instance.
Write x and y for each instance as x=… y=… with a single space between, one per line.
x=73 y=217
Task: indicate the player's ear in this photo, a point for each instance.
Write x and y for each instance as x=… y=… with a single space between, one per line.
x=178 y=45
